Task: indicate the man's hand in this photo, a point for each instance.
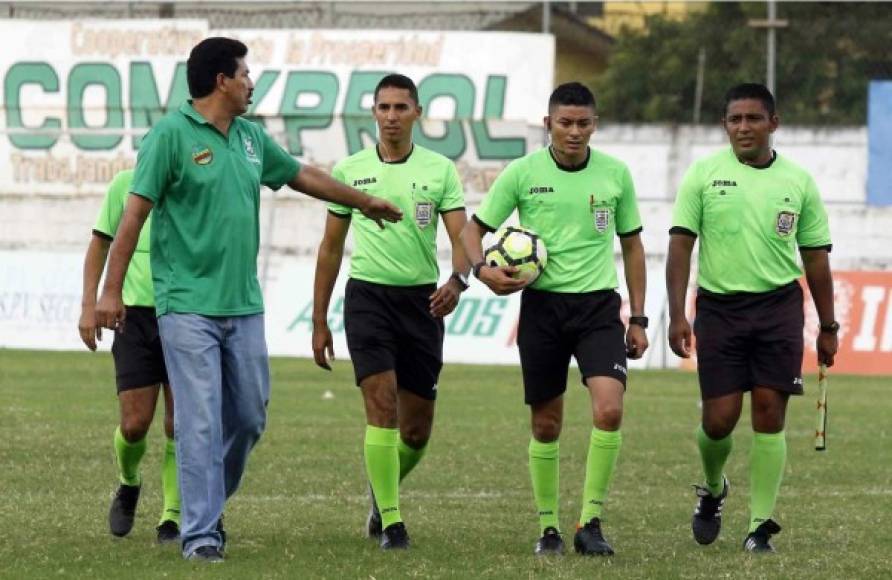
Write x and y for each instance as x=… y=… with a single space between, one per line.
x=445 y=299
x=380 y=210
x=499 y=279
x=322 y=345
x=826 y=346
x=110 y=312
x=680 y=337
x=90 y=331
x=636 y=342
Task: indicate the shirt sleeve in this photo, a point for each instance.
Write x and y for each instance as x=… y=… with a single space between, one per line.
x=501 y=200
x=279 y=167
x=341 y=210
x=113 y=205
x=688 y=211
x=814 y=229
x=453 y=192
x=628 y=219
x=154 y=166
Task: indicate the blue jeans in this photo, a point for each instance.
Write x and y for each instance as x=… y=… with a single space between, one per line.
x=219 y=373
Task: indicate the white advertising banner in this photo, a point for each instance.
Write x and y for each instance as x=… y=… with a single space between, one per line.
x=40 y=297
x=79 y=95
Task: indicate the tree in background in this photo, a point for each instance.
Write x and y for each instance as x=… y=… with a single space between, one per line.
x=825 y=59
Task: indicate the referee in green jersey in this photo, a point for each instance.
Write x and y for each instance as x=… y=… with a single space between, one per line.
x=139 y=367
x=199 y=171
x=577 y=200
x=393 y=312
x=753 y=211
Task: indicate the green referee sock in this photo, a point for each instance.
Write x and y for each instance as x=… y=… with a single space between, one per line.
x=603 y=450
x=409 y=457
x=769 y=454
x=129 y=455
x=382 y=463
x=544 y=471
x=169 y=487
x=713 y=454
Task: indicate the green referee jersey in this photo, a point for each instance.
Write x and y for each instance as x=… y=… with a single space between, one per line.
x=423 y=185
x=206 y=191
x=576 y=211
x=138 y=281
x=750 y=221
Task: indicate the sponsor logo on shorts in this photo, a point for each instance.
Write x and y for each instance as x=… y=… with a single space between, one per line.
x=797 y=381
x=202 y=155
x=424 y=212
x=602 y=220
x=786 y=221
x=620 y=368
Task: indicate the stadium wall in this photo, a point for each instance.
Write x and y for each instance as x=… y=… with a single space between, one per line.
x=78 y=95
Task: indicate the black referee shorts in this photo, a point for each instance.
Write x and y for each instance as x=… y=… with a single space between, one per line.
x=745 y=340
x=554 y=326
x=139 y=361
x=391 y=328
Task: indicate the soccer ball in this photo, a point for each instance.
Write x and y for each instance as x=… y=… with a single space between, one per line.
x=519 y=247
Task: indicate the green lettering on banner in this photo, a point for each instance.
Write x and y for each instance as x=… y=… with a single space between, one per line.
x=146 y=108
x=463 y=316
x=30 y=73
x=493 y=108
x=492 y=314
x=261 y=88
x=105 y=75
x=304 y=317
x=461 y=90
x=323 y=84
x=359 y=119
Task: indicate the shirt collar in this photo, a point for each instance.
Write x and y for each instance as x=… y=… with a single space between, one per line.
x=188 y=110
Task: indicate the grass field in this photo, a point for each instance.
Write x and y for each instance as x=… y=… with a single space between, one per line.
x=468 y=506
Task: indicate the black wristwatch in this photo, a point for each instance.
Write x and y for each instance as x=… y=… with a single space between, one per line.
x=461 y=279
x=476 y=268
x=831 y=328
x=639 y=320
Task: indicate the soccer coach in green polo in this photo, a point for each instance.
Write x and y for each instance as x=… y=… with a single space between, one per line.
x=200 y=168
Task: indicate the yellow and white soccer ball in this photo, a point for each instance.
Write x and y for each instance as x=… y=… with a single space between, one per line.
x=519 y=247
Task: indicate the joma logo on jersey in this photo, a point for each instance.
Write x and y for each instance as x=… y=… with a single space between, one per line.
x=364 y=181
x=542 y=189
x=724 y=183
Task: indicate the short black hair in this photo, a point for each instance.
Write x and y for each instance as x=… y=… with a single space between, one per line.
x=576 y=94
x=755 y=91
x=397 y=81
x=209 y=58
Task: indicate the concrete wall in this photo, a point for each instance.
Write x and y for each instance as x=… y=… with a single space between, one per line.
x=657 y=156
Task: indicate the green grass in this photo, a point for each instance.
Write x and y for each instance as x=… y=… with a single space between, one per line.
x=468 y=506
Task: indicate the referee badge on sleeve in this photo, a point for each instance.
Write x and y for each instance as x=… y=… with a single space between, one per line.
x=424 y=211
x=786 y=221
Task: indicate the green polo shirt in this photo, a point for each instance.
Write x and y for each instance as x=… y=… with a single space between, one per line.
x=138 y=281
x=750 y=221
x=206 y=191
x=423 y=185
x=576 y=211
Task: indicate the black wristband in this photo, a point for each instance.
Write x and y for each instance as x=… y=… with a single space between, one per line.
x=832 y=327
x=477 y=267
x=639 y=320
x=461 y=279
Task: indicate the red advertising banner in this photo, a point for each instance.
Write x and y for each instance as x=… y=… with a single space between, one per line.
x=863 y=302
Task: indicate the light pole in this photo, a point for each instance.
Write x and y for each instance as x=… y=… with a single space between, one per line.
x=771 y=24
